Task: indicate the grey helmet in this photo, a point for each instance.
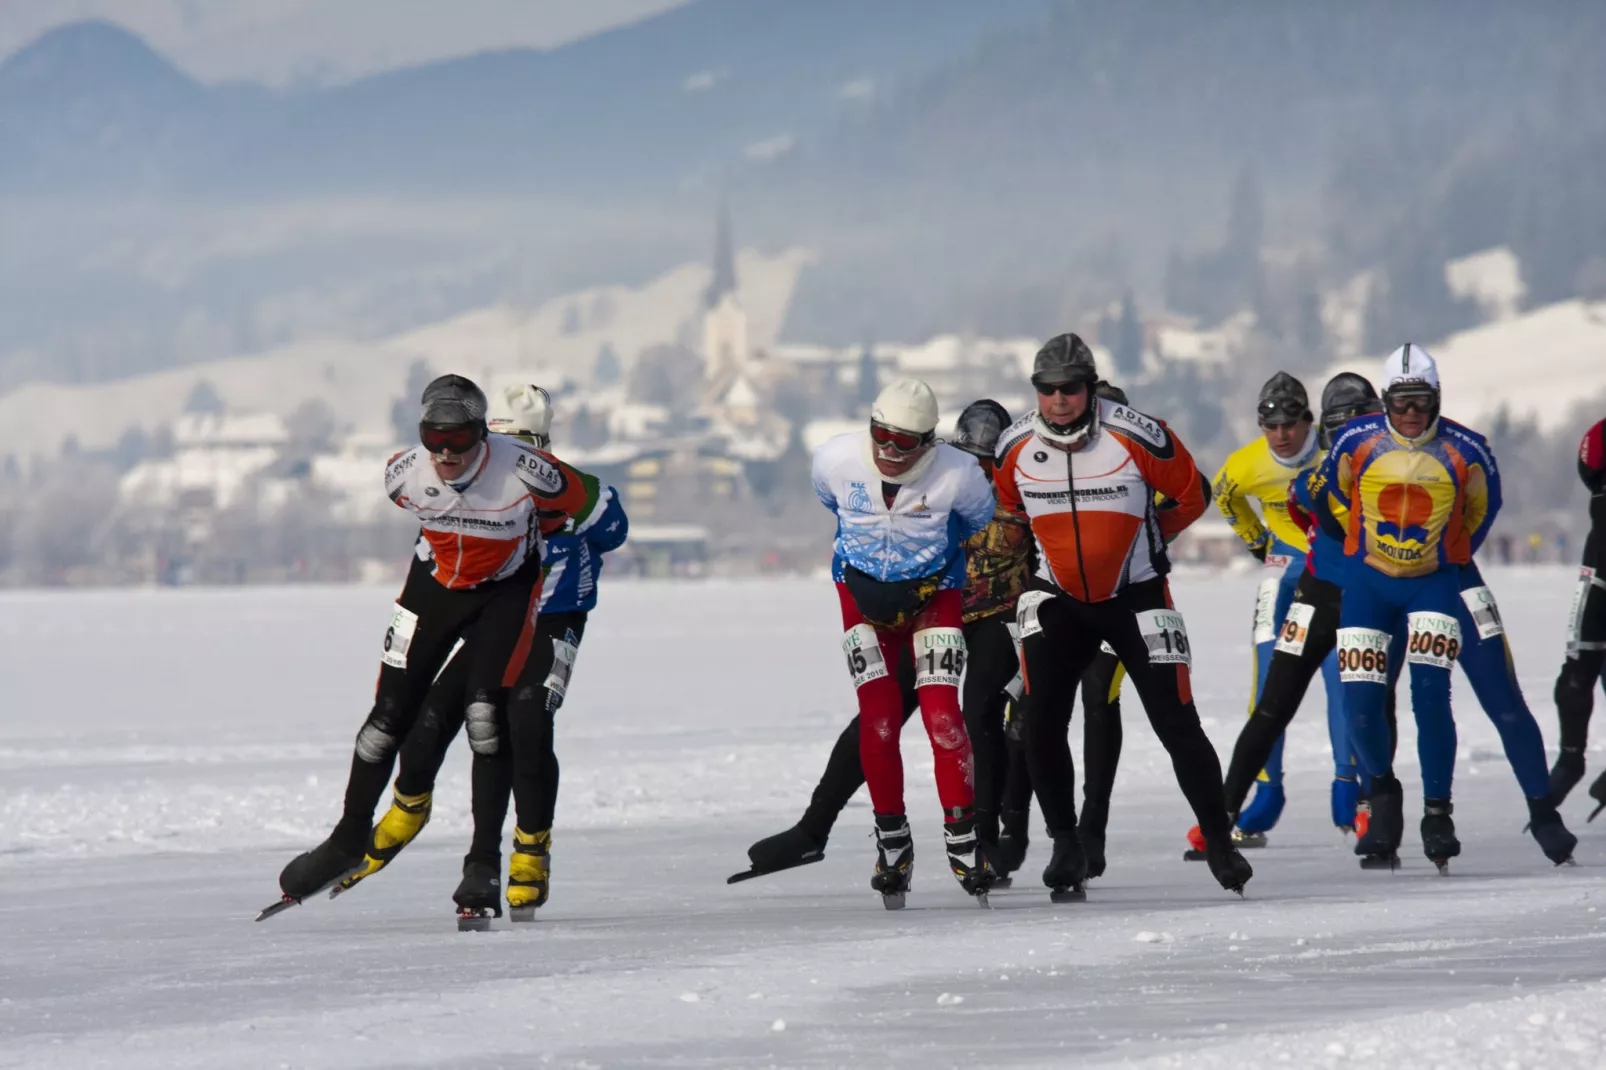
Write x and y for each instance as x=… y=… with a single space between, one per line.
x=979 y=427
x=453 y=401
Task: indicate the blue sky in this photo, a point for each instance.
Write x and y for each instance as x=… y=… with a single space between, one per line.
x=283 y=42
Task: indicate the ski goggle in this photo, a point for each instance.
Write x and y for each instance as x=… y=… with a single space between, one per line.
x=894 y=439
x=1276 y=412
x=449 y=438
x=1400 y=404
x=1069 y=390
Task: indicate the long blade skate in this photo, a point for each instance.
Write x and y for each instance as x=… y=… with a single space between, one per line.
x=476 y=919
x=749 y=874
x=1379 y=860
x=285 y=903
x=1071 y=893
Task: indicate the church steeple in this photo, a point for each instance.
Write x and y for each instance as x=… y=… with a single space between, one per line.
x=724 y=281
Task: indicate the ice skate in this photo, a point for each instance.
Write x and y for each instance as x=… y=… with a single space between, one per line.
x=1260 y=816
x=1066 y=872
x=785 y=850
x=1597 y=791
x=895 y=859
x=1565 y=775
x=1012 y=843
x=529 y=872
x=1093 y=850
x=314 y=870
x=1196 y=846
x=1438 y=834
x=1247 y=841
x=479 y=895
x=967 y=857
x=1379 y=845
x=1231 y=870
x=1547 y=828
x=400 y=825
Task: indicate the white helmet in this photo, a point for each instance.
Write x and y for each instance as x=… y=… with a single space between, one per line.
x=906 y=405
x=522 y=411
x=1410 y=367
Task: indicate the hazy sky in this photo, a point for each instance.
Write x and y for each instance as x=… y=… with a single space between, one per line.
x=285 y=41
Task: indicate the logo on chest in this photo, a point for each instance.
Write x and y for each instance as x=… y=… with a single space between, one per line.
x=858 y=498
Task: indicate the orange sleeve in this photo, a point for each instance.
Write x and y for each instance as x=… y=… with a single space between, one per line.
x=1004 y=485
x=1174 y=475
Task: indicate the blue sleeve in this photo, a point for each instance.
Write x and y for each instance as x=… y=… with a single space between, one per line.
x=611 y=529
x=1491 y=473
x=822 y=484
x=974 y=503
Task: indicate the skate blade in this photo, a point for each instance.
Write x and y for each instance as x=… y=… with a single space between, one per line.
x=339 y=884
x=474 y=920
x=280 y=907
x=893 y=900
x=981 y=901
x=1391 y=862
x=1250 y=841
x=521 y=915
x=749 y=874
x=1442 y=864
x=1596 y=811
x=1067 y=895
x=1192 y=855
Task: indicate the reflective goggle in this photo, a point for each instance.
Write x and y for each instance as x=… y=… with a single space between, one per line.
x=894 y=439
x=1070 y=389
x=449 y=438
x=1400 y=404
x=1275 y=412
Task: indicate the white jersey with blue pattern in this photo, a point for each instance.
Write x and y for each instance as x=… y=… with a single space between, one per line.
x=923 y=532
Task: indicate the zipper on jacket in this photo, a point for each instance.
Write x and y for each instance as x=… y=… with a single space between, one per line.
x=1076 y=525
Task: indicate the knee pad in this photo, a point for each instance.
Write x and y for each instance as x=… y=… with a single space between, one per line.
x=481 y=724
x=376 y=740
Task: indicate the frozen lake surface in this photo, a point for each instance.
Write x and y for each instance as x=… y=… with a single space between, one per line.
x=163 y=754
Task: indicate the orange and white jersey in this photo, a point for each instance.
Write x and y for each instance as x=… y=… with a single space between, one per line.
x=491 y=527
x=1093 y=511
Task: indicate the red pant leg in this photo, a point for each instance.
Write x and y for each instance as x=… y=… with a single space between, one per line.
x=880 y=718
x=939 y=708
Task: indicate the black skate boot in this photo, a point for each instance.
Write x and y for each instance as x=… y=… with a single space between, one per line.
x=1554 y=838
x=1379 y=846
x=895 y=859
x=797 y=846
x=331 y=861
x=1066 y=872
x=1093 y=849
x=1230 y=868
x=479 y=896
x=1438 y=834
x=1012 y=843
x=1565 y=774
x=1597 y=791
x=967 y=857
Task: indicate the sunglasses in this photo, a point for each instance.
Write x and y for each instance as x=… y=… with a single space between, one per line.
x=901 y=441
x=1400 y=404
x=449 y=438
x=1068 y=390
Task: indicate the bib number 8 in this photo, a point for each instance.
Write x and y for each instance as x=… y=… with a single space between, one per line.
x=939 y=657
x=1363 y=656
x=1435 y=640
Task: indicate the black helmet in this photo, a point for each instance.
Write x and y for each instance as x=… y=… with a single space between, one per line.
x=1110 y=392
x=453 y=401
x=1346 y=396
x=1283 y=400
x=1064 y=359
x=979 y=427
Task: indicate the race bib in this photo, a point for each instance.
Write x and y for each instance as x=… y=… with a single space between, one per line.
x=1363 y=656
x=863 y=649
x=1166 y=636
x=564 y=651
x=1575 y=616
x=1266 y=609
x=1016 y=688
x=1435 y=640
x=1296 y=628
x=939 y=656
x=399 y=636
x=1026 y=608
x=1106 y=648
x=1485 y=613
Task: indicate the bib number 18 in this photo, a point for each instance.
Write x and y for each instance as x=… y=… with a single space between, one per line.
x=1166 y=635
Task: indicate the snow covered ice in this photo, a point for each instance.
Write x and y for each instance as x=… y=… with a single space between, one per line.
x=163 y=754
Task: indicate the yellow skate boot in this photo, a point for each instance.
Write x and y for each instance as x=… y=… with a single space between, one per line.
x=528 y=872
x=406 y=818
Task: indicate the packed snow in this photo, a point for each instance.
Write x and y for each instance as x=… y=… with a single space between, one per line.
x=164 y=753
